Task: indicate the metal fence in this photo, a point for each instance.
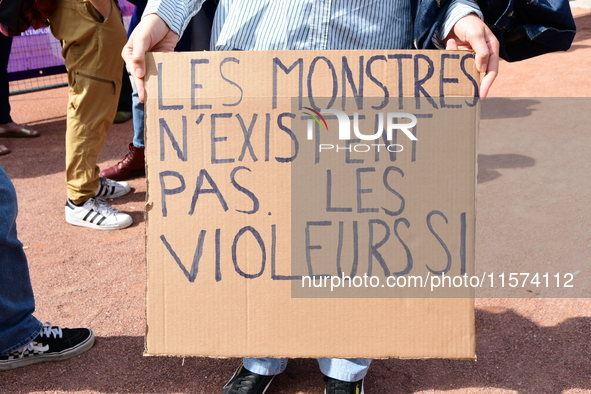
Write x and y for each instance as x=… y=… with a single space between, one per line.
x=36 y=61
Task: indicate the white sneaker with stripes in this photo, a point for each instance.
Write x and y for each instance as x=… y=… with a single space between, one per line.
x=98 y=214
x=109 y=188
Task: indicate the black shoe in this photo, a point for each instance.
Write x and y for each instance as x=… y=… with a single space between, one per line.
x=52 y=344
x=335 y=386
x=246 y=382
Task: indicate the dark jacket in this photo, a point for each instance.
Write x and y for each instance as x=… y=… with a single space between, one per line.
x=524 y=28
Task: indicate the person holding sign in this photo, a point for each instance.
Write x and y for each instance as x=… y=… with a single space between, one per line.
x=317 y=25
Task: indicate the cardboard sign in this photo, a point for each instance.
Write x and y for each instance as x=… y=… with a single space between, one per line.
x=311 y=203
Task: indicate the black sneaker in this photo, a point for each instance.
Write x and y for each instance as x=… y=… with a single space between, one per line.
x=334 y=386
x=246 y=382
x=52 y=344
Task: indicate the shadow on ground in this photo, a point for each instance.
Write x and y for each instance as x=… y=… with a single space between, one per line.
x=513 y=354
x=488 y=164
x=508 y=108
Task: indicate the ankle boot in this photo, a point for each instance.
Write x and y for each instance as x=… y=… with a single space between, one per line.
x=131 y=166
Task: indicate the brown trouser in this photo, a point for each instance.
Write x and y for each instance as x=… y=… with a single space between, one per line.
x=92 y=52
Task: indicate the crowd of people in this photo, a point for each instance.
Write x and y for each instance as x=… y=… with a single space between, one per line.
x=93 y=40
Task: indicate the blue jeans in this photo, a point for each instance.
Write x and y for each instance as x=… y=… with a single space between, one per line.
x=18 y=327
x=138 y=120
x=348 y=370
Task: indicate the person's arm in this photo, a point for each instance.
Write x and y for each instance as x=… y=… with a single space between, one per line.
x=176 y=13
x=470 y=32
x=464 y=29
x=158 y=31
x=151 y=34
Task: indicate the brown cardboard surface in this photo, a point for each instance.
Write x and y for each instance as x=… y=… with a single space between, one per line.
x=225 y=202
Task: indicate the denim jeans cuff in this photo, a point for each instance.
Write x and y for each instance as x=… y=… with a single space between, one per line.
x=24 y=342
x=265 y=366
x=347 y=370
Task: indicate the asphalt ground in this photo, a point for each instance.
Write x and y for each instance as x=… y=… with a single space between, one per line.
x=533 y=215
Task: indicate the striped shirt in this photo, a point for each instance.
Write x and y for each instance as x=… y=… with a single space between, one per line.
x=308 y=24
